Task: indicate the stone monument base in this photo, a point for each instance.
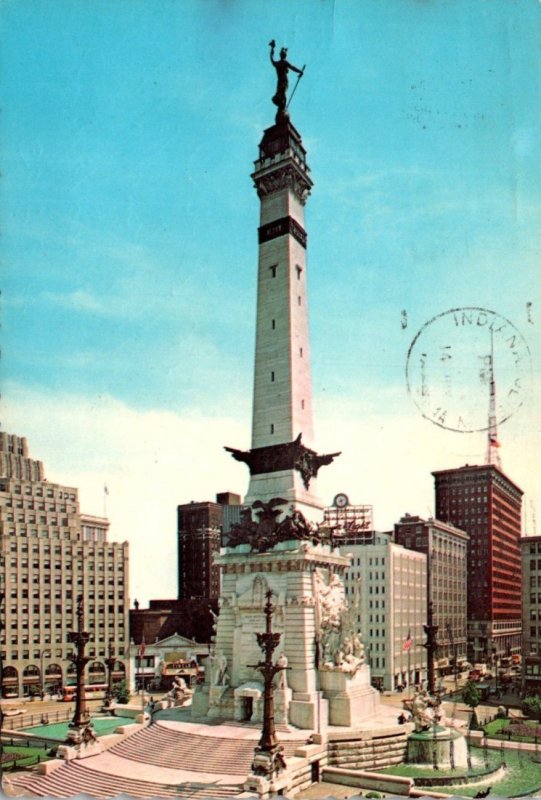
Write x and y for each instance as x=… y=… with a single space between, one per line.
x=200 y=702
x=249 y=702
x=309 y=711
x=351 y=698
x=221 y=702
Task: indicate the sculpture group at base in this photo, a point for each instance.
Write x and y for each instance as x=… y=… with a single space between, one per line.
x=272 y=526
x=219 y=674
x=339 y=644
x=179 y=693
x=431 y=743
x=425 y=710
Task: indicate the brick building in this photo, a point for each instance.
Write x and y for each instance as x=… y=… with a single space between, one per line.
x=199 y=531
x=485 y=503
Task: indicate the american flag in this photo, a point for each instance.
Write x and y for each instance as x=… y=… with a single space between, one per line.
x=408 y=642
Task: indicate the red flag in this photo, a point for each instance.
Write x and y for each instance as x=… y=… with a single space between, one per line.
x=142 y=647
x=494 y=442
x=408 y=642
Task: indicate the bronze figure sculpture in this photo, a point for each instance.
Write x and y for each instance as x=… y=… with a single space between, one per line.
x=282 y=67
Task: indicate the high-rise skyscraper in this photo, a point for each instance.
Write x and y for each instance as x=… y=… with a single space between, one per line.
x=485 y=503
x=531 y=613
x=446 y=550
x=386 y=586
x=50 y=554
x=281 y=460
x=199 y=534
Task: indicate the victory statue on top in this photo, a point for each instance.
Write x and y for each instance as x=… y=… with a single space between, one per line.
x=282 y=67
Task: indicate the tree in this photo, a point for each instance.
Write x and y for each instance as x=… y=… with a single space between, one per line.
x=472 y=698
x=120 y=692
x=470 y=695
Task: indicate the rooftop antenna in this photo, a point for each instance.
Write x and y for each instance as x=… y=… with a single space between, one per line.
x=534 y=523
x=493 y=445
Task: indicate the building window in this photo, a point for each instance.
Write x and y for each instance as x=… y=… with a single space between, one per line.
x=273 y=271
x=273 y=324
x=272 y=427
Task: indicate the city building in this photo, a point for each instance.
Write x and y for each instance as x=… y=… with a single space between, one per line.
x=485 y=503
x=50 y=554
x=386 y=587
x=199 y=537
x=348 y=521
x=531 y=613
x=154 y=666
x=191 y=618
x=446 y=549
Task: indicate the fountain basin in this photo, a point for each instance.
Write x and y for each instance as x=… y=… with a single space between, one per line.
x=445 y=748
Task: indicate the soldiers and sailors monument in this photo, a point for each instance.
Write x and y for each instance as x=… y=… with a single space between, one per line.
x=281 y=545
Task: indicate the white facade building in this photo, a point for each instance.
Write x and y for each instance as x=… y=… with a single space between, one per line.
x=388 y=585
x=152 y=665
x=51 y=554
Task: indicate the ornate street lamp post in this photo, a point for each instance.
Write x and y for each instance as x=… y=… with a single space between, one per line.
x=79 y=638
x=109 y=663
x=44 y=652
x=431 y=645
x=1 y=659
x=268 y=753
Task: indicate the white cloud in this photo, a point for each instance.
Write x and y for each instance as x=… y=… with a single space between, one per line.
x=153 y=460
x=150 y=462
x=79 y=300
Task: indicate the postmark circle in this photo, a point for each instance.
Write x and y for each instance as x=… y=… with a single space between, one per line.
x=450 y=362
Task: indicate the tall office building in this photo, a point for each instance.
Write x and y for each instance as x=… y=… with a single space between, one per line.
x=531 y=613
x=386 y=587
x=446 y=550
x=199 y=536
x=485 y=503
x=50 y=553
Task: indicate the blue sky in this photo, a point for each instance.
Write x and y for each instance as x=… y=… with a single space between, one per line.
x=129 y=237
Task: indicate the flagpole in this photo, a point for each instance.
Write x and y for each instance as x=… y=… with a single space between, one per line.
x=105 y=494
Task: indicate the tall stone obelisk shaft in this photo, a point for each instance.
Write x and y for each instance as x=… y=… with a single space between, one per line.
x=282 y=383
x=282 y=405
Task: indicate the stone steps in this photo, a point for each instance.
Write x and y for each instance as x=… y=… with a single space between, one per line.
x=162 y=746
x=74 y=778
x=166 y=747
x=158 y=746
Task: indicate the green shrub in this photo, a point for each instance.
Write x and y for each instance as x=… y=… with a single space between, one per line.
x=531 y=706
x=474 y=721
x=120 y=692
x=470 y=695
